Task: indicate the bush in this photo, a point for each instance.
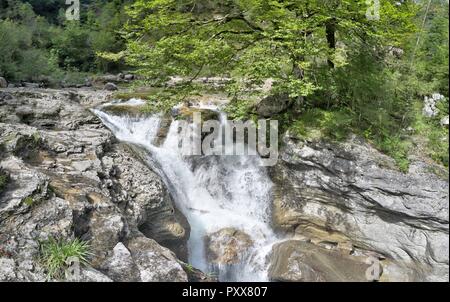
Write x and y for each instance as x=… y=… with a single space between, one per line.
x=54 y=255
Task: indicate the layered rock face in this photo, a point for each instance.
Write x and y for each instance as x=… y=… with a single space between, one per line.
x=68 y=177
x=351 y=199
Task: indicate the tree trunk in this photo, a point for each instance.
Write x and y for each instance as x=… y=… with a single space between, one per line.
x=331 y=38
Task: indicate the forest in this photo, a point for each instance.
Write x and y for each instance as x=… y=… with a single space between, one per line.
x=340 y=71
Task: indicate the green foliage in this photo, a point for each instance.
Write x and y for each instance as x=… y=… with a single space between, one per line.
x=241 y=109
x=54 y=254
x=435 y=135
x=29 y=201
x=251 y=41
x=37 y=44
x=336 y=125
x=20 y=60
x=3 y=180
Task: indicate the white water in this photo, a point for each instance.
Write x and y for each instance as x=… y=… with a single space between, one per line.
x=212 y=192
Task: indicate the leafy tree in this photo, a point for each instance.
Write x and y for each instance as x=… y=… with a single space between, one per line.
x=254 y=40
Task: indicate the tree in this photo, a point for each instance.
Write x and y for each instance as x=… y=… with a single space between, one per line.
x=253 y=40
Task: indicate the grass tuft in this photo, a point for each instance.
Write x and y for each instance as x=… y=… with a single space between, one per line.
x=55 y=253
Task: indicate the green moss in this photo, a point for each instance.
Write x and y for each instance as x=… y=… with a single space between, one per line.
x=29 y=201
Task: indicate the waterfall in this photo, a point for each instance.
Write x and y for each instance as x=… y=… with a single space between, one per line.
x=213 y=192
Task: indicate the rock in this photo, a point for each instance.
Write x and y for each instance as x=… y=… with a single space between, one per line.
x=110 y=86
x=350 y=193
x=129 y=77
x=120 y=265
x=227 y=246
x=445 y=121
x=429 y=108
x=297 y=261
x=272 y=105
x=31 y=85
x=70 y=178
x=3 y=83
x=106 y=229
x=7 y=269
x=82 y=166
x=155 y=263
x=5 y=96
x=89 y=274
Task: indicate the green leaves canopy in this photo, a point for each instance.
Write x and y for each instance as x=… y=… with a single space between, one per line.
x=253 y=40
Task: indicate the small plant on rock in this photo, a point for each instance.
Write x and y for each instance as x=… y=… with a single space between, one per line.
x=55 y=253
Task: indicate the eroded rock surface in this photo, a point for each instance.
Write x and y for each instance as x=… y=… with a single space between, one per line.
x=353 y=198
x=68 y=177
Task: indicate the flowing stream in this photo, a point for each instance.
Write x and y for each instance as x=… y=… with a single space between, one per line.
x=213 y=192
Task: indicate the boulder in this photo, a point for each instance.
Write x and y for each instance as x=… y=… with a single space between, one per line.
x=298 y=261
x=155 y=263
x=120 y=266
x=227 y=246
x=110 y=86
x=128 y=77
x=272 y=105
x=3 y=83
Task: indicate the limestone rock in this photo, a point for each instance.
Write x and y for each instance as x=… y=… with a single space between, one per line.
x=120 y=265
x=155 y=263
x=297 y=261
x=227 y=246
x=110 y=87
x=350 y=193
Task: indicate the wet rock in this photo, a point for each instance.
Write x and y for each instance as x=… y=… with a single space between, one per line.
x=227 y=246
x=297 y=261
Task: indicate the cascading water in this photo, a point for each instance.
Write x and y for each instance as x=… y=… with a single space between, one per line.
x=213 y=192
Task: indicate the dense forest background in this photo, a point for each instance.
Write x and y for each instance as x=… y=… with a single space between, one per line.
x=343 y=72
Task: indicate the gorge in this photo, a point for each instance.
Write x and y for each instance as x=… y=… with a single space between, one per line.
x=116 y=179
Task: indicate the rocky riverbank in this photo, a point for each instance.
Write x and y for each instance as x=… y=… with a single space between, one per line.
x=69 y=177
x=343 y=209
